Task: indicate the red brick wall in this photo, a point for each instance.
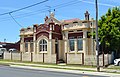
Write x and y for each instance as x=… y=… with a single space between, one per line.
x=42 y=33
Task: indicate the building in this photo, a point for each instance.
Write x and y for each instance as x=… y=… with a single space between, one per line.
x=67 y=40
x=10 y=45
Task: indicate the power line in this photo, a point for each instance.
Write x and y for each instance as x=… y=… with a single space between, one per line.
x=24 y=15
x=72 y=2
x=44 y=10
x=103 y=4
x=24 y=7
x=15 y=20
x=56 y=7
x=66 y=4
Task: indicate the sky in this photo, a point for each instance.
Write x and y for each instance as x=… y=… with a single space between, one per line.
x=64 y=9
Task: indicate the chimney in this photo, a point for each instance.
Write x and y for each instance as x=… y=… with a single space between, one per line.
x=87 y=15
x=46 y=18
x=35 y=27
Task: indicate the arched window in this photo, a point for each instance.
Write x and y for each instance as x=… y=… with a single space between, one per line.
x=43 y=45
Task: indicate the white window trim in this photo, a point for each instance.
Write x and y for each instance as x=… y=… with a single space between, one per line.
x=71 y=38
x=25 y=47
x=79 y=38
x=43 y=45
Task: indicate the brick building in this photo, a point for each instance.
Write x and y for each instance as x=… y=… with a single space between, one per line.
x=67 y=40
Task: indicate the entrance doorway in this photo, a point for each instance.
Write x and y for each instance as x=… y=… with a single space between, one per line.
x=56 y=51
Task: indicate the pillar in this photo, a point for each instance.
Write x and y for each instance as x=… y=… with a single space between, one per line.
x=29 y=47
x=50 y=38
x=85 y=42
x=66 y=42
x=34 y=39
x=22 y=47
x=76 y=47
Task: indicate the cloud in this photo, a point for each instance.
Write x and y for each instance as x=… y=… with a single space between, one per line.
x=103 y=4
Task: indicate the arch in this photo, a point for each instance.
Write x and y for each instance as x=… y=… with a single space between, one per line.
x=42 y=39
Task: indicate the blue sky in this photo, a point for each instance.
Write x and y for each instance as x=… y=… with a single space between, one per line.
x=64 y=9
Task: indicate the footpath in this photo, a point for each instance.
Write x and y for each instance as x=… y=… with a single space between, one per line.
x=64 y=68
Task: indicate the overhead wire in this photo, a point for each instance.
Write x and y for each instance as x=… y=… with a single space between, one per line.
x=20 y=10
x=44 y=10
x=24 y=7
x=23 y=15
x=15 y=20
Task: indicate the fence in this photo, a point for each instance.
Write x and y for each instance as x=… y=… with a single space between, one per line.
x=33 y=57
x=51 y=58
x=104 y=60
x=72 y=58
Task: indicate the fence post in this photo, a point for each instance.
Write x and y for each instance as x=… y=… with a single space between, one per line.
x=31 y=57
x=3 y=55
x=56 y=59
x=11 y=55
x=103 y=60
x=66 y=57
x=20 y=56
x=43 y=57
x=83 y=58
x=108 y=58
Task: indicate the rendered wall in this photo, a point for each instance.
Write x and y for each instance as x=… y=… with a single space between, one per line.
x=73 y=58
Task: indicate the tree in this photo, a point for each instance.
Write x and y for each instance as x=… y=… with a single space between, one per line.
x=109 y=30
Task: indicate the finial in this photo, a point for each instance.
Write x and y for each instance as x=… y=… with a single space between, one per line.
x=51 y=14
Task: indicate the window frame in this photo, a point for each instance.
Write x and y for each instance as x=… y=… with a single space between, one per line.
x=81 y=39
x=71 y=39
x=26 y=46
x=42 y=45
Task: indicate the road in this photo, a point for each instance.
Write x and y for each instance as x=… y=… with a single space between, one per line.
x=6 y=71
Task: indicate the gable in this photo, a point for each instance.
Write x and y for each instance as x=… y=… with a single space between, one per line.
x=43 y=27
x=52 y=19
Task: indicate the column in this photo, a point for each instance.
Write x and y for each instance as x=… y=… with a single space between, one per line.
x=34 y=39
x=50 y=44
x=66 y=42
x=85 y=42
x=34 y=43
x=50 y=38
x=76 y=48
x=22 y=44
x=29 y=47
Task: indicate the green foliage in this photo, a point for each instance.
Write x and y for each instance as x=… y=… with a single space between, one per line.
x=109 y=30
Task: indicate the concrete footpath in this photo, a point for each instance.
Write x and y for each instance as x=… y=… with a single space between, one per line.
x=63 y=68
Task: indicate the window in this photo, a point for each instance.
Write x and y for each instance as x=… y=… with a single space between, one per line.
x=26 y=46
x=80 y=43
x=75 y=23
x=71 y=43
x=43 y=45
x=71 y=31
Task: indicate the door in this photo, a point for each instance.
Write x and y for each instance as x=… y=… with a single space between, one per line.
x=56 y=50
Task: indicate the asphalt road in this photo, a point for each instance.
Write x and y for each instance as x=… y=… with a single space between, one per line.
x=6 y=71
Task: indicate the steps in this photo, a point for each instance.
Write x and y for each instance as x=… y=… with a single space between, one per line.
x=61 y=61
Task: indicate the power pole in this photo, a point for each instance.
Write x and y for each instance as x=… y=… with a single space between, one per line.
x=92 y=36
x=97 y=42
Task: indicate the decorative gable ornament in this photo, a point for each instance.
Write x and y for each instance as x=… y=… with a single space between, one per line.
x=52 y=19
